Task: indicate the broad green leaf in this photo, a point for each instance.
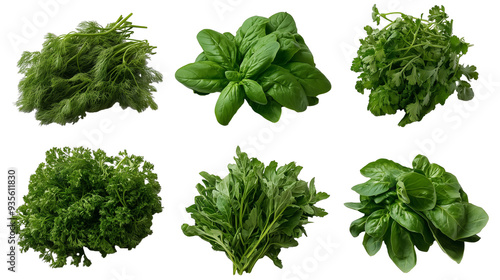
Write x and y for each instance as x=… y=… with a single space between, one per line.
x=401 y=192
x=288 y=47
x=358 y=226
x=384 y=170
x=247 y=35
x=254 y=91
x=421 y=163
x=271 y=111
x=311 y=100
x=218 y=48
x=447 y=188
x=311 y=79
x=400 y=248
x=386 y=198
x=476 y=220
x=406 y=217
x=419 y=190
x=365 y=207
x=282 y=22
x=434 y=171
x=228 y=103
x=284 y=88
x=201 y=57
x=454 y=249
x=401 y=243
x=257 y=62
x=420 y=241
x=202 y=76
x=450 y=219
x=304 y=54
x=371 y=244
x=372 y=187
x=377 y=223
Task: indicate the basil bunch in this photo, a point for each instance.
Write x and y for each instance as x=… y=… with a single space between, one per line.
x=267 y=63
x=406 y=208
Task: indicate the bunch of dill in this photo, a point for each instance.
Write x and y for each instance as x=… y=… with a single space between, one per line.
x=87 y=70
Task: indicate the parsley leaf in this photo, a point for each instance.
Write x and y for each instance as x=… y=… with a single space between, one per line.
x=80 y=198
x=414 y=59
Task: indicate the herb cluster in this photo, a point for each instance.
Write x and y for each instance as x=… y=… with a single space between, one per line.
x=254 y=211
x=267 y=63
x=87 y=70
x=412 y=64
x=81 y=199
x=413 y=207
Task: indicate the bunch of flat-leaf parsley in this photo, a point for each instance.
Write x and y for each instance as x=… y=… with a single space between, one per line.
x=412 y=64
x=254 y=211
x=87 y=70
x=81 y=199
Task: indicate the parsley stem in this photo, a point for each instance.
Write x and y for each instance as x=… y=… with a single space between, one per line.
x=418 y=45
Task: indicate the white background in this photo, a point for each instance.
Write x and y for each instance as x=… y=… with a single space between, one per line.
x=332 y=140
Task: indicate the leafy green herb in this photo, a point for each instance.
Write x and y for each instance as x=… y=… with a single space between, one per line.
x=81 y=199
x=267 y=63
x=254 y=211
x=87 y=70
x=413 y=207
x=412 y=64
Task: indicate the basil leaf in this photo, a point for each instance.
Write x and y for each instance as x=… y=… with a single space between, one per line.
x=203 y=76
x=421 y=163
x=228 y=103
x=400 y=248
x=303 y=54
x=454 y=249
x=311 y=79
x=406 y=217
x=377 y=223
x=282 y=22
x=449 y=218
x=419 y=191
x=447 y=189
x=383 y=170
x=271 y=111
x=252 y=29
x=476 y=220
x=358 y=226
x=371 y=244
x=372 y=187
x=255 y=63
x=288 y=47
x=282 y=86
x=218 y=48
x=254 y=91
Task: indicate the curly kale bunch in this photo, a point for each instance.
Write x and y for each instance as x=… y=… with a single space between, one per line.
x=412 y=64
x=254 y=211
x=87 y=70
x=81 y=199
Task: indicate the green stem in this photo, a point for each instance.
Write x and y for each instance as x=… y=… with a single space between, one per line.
x=418 y=45
x=264 y=233
x=116 y=26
